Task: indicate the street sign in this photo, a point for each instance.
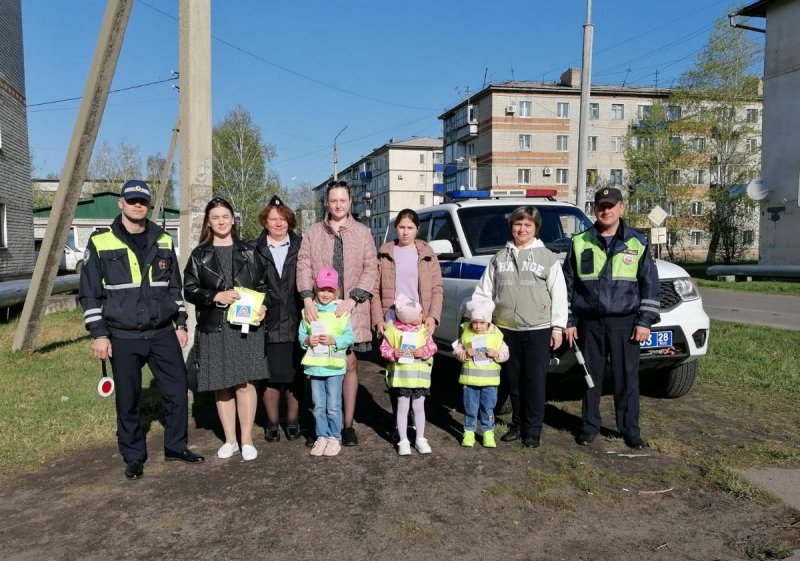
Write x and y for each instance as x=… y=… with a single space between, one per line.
x=658 y=236
x=657 y=216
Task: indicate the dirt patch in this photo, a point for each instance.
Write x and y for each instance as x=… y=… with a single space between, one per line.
x=558 y=502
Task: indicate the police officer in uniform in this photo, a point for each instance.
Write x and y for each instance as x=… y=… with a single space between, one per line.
x=612 y=285
x=130 y=290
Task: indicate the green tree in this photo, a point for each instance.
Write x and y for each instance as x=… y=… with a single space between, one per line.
x=719 y=97
x=111 y=166
x=240 y=169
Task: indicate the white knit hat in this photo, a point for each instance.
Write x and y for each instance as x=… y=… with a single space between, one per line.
x=406 y=309
x=480 y=309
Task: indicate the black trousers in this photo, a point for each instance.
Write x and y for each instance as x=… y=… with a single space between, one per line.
x=524 y=375
x=163 y=355
x=611 y=337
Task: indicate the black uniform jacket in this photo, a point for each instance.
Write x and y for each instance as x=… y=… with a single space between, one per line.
x=283 y=316
x=203 y=278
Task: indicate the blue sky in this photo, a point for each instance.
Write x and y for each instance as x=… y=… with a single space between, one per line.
x=307 y=69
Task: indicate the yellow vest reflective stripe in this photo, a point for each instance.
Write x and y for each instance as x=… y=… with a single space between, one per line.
x=414 y=375
x=624 y=265
x=334 y=327
x=480 y=375
x=107 y=242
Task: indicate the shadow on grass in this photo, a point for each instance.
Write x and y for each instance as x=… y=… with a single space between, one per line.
x=55 y=345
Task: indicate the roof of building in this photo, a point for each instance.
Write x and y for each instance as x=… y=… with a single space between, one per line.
x=754 y=10
x=415 y=142
x=102 y=206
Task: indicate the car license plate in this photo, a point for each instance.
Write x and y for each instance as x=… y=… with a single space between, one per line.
x=657 y=340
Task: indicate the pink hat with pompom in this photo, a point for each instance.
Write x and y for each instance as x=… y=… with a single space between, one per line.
x=480 y=309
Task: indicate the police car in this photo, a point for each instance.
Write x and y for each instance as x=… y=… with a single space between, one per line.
x=467 y=231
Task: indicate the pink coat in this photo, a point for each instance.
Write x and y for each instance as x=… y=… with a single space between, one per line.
x=360 y=265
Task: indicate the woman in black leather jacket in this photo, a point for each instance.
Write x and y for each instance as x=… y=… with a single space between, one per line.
x=228 y=359
x=278 y=245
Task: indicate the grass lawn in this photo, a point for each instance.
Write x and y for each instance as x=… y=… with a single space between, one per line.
x=49 y=400
x=770 y=287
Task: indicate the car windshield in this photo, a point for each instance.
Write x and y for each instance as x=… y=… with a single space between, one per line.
x=486 y=227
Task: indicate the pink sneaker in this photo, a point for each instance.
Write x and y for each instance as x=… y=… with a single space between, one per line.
x=319 y=446
x=333 y=448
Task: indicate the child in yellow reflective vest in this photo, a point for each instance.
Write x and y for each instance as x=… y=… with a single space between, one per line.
x=481 y=349
x=326 y=340
x=409 y=352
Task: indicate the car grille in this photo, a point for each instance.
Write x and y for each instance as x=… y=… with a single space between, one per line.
x=669 y=298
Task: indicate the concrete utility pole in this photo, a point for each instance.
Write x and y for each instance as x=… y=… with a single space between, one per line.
x=586 y=86
x=166 y=173
x=195 y=123
x=336 y=155
x=76 y=164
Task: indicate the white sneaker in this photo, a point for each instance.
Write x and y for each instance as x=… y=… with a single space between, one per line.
x=249 y=452
x=404 y=448
x=333 y=447
x=319 y=446
x=227 y=450
x=422 y=446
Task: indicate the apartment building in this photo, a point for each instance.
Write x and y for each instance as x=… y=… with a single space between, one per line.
x=400 y=174
x=525 y=134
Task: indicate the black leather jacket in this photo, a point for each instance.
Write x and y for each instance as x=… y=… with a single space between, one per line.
x=283 y=316
x=203 y=278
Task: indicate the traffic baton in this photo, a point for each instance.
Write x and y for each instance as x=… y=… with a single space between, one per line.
x=582 y=362
x=105 y=387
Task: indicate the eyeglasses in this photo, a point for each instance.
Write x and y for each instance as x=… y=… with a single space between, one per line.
x=134 y=202
x=335 y=184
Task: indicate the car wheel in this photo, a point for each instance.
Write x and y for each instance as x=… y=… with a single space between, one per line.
x=677 y=382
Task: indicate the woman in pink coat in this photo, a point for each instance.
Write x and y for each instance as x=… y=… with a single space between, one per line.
x=339 y=241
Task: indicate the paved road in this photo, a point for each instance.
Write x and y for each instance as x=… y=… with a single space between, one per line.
x=772 y=310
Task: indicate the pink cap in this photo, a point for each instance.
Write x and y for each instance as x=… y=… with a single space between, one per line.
x=327 y=278
x=480 y=309
x=406 y=309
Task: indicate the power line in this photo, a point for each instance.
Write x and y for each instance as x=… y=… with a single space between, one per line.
x=293 y=72
x=110 y=91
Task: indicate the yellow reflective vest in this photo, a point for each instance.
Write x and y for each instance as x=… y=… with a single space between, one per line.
x=333 y=361
x=414 y=375
x=480 y=375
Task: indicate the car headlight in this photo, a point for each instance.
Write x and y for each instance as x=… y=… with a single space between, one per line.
x=686 y=289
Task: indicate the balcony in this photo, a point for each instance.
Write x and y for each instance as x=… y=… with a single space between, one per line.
x=366 y=175
x=467 y=130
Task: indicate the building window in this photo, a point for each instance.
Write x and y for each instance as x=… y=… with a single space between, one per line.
x=562 y=176
x=591 y=177
x=525 y=109
x=422 y=179
x=674 y=112
x=438 y=158
x=752 y=115
x=748 y=237
x=675 y=177
x=422 y=200
x=699 y=177
x=562 y=142
x=675 y=141
x=697 y=208
x=524 y=142
x=562 y=110
x=644 y=111
x=617 y=111
x=752 y=145
x=594 y=111
x=591 y=144
x=524 y=176
x=471 y=149
x=616 y=144
x=699 y=144
x=3 y=238
x=696 y=237
x=616 y=177
x=422 y=158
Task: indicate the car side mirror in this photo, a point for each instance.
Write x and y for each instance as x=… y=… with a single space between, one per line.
x=444 y=249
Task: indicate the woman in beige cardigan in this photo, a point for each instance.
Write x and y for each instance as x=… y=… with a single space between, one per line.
x=339 y=241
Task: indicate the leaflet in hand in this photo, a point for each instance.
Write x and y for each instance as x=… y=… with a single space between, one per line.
x=244 y=311
x=318 y=328
x=480 y=346
x=408 y=343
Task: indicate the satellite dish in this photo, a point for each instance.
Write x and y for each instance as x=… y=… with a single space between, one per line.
x=756 y=189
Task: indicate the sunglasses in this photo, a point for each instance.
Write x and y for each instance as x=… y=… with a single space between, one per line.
x=134 y=202
x=335 y=184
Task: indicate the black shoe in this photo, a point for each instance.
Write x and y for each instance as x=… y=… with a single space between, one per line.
x=186 y=456
x=310 y=440
x=349 y=437
x=585 y=439
x=272 y=433
x=511 y=435
x=134 y=470
x=530 y=442
x=292 y=431
x=635 y=442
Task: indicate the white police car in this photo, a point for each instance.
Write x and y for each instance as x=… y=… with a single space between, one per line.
x=466 y=232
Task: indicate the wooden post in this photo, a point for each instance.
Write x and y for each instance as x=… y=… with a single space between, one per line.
x=73 y=175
